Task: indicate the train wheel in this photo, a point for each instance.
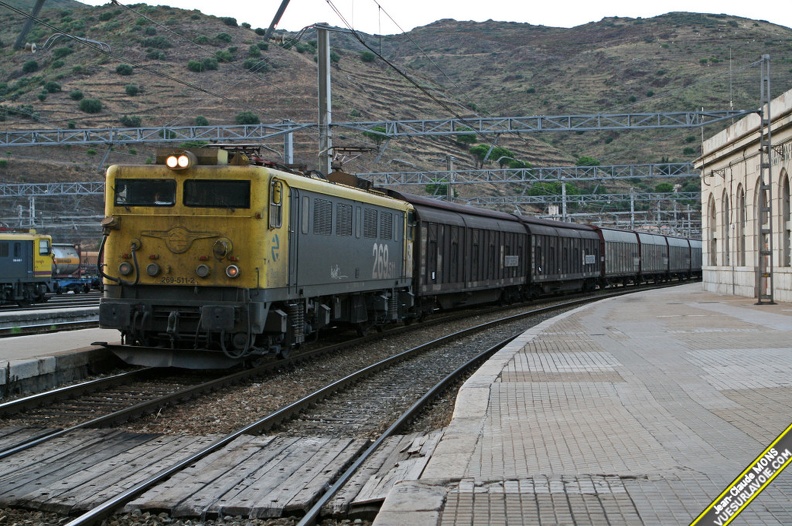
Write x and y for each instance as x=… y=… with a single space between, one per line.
x=362 y=329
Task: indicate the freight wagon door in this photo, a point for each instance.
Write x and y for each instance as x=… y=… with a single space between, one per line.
x=16 y=258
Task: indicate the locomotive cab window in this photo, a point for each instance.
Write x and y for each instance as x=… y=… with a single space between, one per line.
x=200 y=193
x=44 y=247
x=145 y=192
x=276 y=204
x=411 y=221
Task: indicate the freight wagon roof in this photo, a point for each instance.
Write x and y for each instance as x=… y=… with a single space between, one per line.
x=652 y=239
x=428 y=202
x=535 y=225
x=434 y=210
x=613 y=234
x=678 y=242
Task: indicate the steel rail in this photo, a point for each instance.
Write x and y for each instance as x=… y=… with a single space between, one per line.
x=65 y=393
x=313 y=514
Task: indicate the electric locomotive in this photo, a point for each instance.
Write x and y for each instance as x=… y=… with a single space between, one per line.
x=211 y=258
x=25 y=267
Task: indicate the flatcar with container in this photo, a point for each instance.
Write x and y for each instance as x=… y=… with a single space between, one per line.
x=69 y=274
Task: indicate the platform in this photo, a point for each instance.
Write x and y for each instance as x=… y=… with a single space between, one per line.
x=635 y=410
x=34 y=363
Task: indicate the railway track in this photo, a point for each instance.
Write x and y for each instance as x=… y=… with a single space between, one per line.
x=290 y=411
x=58 y=301
x=311 y=415
x=61 y=312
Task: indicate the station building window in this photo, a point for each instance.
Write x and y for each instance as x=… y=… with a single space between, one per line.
x=740 y=226
x=712 y=229
x=726 y=236
x=786 y=226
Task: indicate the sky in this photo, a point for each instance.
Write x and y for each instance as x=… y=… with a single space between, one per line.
x=387 y=17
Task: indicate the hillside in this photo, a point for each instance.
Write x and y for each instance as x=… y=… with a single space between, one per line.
x=139 y=64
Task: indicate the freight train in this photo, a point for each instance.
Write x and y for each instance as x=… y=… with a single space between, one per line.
x=212 y=257
x=25 y=267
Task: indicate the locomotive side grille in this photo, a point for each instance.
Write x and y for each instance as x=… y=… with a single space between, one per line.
x=370 y=223
x=344 y=220
x=386 y=226
x=323 y=217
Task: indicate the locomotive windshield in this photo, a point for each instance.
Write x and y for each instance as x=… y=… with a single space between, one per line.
x=145 y=192
x=202 y=193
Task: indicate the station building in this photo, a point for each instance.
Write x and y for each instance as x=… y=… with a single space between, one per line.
x=746 y=202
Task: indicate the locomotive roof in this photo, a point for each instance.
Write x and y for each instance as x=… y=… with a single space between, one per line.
x=10 y=234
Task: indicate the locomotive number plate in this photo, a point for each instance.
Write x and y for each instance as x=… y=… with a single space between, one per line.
x=177 y=280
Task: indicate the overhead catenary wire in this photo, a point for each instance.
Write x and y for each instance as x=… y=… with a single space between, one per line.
x=394 y=67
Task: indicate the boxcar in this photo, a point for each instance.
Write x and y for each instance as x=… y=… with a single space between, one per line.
x=654 y=256
x=564 y=256
x=695 y=257
x=679 y=258
x=621 y=259
x=465 y=255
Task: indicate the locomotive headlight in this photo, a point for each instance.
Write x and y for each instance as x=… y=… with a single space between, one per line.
x=152 y=269
x=125 y=268
x=202 y=270
x=181 y=161
x=222 y=247
x=232 y=271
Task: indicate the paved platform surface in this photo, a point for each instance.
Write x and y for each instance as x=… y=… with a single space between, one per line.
x=636 y=410
x=58 y=343
x=34 y=363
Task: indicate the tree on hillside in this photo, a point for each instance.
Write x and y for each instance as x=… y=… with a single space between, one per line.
x=584 y=160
